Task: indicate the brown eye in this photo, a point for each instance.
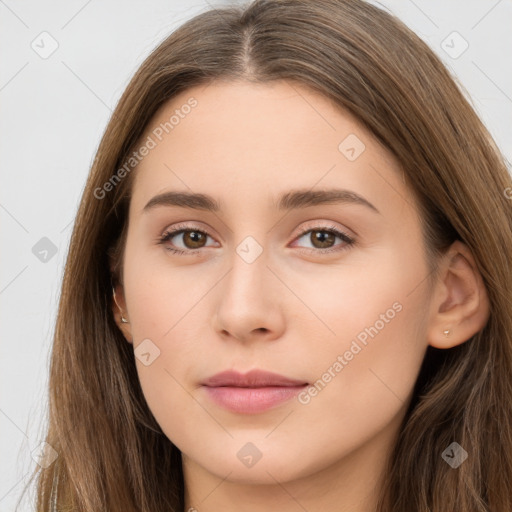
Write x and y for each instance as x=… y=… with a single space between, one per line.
x=322 y=239
x=194 y=239
x=191 y=239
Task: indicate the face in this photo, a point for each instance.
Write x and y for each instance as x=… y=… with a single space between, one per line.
x=321 y=288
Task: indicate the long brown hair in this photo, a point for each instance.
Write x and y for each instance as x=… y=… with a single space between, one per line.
x=112 y=454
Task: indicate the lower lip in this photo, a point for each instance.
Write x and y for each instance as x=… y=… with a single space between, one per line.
x=252 y=400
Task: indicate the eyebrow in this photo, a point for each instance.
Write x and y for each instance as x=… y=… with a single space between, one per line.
x=292 y=200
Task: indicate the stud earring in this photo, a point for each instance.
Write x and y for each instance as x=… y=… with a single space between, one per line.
x=447 y=332
x=123 y=319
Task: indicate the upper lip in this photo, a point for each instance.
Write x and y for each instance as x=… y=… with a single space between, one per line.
x=252 y=379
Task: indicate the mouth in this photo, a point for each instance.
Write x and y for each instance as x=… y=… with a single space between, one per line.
x=253 y=392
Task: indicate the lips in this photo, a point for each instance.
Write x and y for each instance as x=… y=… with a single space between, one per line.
x=252 y=379
x=253 y=392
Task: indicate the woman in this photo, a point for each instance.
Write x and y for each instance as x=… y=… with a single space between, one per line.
x=205 y=358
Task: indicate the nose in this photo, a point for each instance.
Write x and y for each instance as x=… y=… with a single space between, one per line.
x=249 y=302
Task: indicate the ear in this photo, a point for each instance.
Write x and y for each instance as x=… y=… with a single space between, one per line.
x=459 y=302
x=119 y=309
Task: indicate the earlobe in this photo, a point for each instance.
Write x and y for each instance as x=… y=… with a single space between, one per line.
x=118 y=309
x=460 y=303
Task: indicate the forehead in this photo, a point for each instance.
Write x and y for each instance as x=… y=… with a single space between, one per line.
x=276 y=112
x=259 y=139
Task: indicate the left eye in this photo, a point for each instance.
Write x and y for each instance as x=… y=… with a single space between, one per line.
x=322 y=239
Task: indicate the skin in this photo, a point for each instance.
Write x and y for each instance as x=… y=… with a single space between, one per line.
x=293 y=310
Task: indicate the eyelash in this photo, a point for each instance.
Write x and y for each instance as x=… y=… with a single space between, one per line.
x=349 y=241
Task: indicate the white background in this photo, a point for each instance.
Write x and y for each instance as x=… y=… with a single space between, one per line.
x=54 y=111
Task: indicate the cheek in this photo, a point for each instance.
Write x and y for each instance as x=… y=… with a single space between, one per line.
x=366 y=384
x=366 y=372
x=157 y=295
x=164 y=316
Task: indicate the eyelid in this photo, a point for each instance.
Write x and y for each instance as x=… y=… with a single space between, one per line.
x=184 y=226
x=316 y=224
x=323 y=224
